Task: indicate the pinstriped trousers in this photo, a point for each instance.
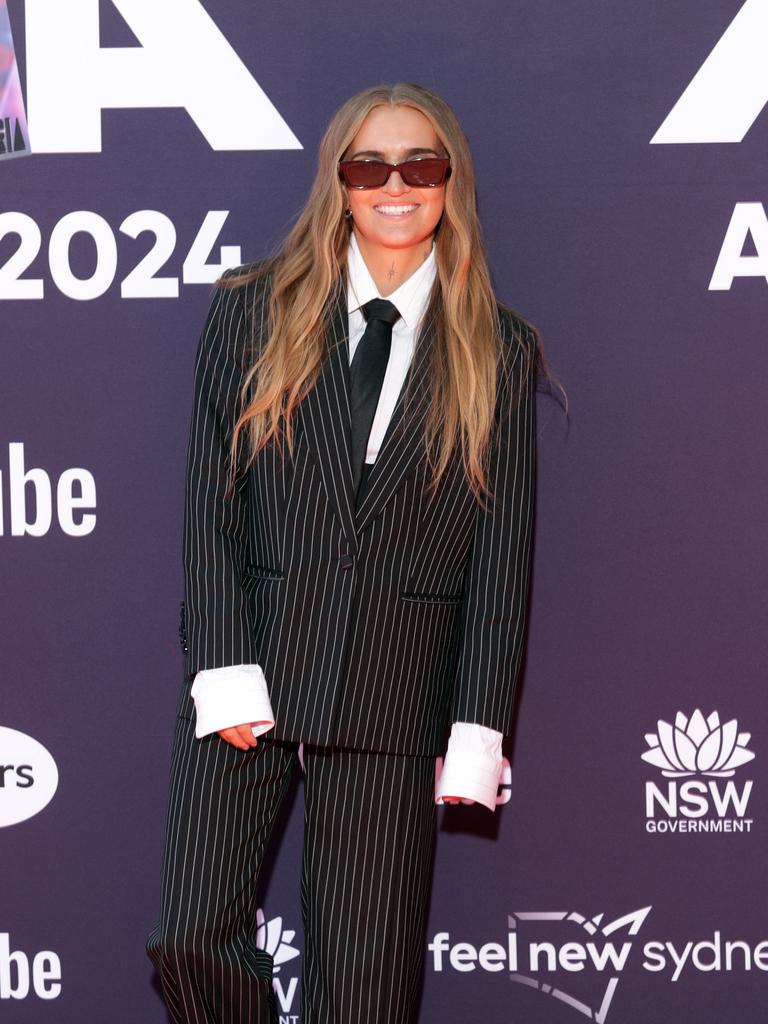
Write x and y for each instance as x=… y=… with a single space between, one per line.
x=369 y=832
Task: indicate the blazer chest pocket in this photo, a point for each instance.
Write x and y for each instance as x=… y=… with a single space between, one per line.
x=414 y=597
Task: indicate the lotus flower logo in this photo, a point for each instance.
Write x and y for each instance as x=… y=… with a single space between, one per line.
x=697 y=746
x=277 y=942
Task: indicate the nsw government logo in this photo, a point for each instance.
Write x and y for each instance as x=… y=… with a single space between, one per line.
x=698 y=757
x=276 y=940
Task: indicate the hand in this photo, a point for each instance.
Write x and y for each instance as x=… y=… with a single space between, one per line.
x=456 y=800
x=240 y=736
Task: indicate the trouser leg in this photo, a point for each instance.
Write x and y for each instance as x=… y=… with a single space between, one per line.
x=369 y=831
x=221 y=811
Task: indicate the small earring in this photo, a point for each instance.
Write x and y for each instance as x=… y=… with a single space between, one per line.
x=348 y=212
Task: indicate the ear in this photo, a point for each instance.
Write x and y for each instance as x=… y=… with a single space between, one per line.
x=345 y=192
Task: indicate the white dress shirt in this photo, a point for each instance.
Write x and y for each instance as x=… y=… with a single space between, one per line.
x=236 y=694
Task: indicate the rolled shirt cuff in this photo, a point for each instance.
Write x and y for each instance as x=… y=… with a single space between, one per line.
x=232 y=695
x=472 y=765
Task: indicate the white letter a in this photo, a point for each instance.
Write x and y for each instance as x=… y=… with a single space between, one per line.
x=183 y=61
x=730 y=88
x=747 y=219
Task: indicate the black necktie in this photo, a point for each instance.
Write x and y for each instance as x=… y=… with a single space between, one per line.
x=366 y=374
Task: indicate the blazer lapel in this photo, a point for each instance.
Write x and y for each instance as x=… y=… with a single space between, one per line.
x=325 y=415
x=402 y=447
x=326 y=418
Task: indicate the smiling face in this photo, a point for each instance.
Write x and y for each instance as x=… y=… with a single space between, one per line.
x=395 y=216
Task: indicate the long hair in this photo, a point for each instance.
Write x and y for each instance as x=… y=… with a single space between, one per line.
x=306 y=271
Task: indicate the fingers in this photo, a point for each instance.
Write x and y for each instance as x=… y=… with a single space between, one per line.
x=240 y=736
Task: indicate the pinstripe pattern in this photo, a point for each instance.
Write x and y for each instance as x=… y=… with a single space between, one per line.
x=377 y=625
x=366 y=875
x=222 y=806
x=369 y=828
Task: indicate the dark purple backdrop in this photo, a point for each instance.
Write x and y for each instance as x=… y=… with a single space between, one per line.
x=649 y=593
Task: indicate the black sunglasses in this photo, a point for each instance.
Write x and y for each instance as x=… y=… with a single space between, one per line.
x=426 y=172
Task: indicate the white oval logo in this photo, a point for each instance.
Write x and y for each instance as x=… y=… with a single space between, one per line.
x=28 y=777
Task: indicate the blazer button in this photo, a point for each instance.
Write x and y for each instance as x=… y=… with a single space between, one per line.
x=346 y=562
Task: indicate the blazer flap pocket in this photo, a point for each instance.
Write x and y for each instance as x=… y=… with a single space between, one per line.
x=254 y=574
x=431 y=598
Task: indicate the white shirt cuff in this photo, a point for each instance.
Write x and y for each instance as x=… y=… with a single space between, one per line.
x=472 y=765
x=229 y=696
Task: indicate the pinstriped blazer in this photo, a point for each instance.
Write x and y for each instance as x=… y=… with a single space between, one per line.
x=379 y=624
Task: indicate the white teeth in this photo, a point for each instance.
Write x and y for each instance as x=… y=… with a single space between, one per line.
x=393 y=211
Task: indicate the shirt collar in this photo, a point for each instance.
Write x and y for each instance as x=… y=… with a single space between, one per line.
x=411 y=297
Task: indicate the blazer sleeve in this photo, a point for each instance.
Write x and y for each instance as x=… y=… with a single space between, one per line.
x=215 y=534
x=494 y=607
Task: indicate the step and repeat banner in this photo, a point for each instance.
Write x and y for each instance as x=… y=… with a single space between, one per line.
x=621 y=160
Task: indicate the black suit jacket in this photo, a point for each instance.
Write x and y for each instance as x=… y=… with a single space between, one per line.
x=377 y=624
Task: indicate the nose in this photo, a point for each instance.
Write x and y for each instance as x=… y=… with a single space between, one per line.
x=394 y=184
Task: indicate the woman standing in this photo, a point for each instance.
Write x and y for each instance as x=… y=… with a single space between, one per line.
x=356 y=550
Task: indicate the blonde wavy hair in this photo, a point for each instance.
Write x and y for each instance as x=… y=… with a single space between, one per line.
x=306 y=271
